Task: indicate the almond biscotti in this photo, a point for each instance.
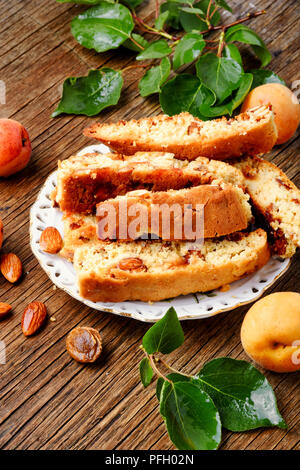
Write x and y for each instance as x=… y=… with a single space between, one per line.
x=84 y=181
x=277 y=202
x=79 y=230
x=187 y=214
x=153 y=270
x=251 y=133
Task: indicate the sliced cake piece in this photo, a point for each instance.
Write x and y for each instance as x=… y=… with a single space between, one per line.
x=153 y=270
x=277 y=202
x=187 y=214
x=79 y=230
x=84 y=181
x=251 y=133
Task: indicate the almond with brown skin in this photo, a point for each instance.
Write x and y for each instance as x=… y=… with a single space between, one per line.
x=51 y=241
x=33 y=318
x=11 y=267
x=132 y=264
x=4 y=309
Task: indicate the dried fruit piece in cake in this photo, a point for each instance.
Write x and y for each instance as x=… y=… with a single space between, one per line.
x=84 y=181
x=276 y=200
x=169 y=268
x=175 y=214
x=251 y=133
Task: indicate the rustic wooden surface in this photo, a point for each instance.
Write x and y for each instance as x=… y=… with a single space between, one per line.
x=47 y=400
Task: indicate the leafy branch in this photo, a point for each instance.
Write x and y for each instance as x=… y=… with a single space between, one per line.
x=185 y=33
x=226 y=392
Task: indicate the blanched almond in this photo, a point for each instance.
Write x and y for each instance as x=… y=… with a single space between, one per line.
x=51 y=241
x=33 y=318
x=4 y=309
x=11 y=267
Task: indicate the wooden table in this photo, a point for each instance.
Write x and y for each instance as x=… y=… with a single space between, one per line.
x=47 y=400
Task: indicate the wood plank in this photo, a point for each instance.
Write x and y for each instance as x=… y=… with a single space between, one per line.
x=48 y=401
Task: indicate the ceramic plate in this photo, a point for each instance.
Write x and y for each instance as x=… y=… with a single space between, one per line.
x=200 y=305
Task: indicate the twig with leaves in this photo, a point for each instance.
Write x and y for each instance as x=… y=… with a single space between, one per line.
x=226 y=392
x=219 y=83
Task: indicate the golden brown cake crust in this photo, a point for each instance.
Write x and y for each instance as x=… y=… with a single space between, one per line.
x=250 y=133
x=85 y=181
x=226 y=210
x=184 y=278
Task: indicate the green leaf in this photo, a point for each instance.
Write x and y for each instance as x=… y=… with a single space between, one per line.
x=242 y=395
x=235 y=101
x=191 y=22
x=161 y=384
x=165 y=335
x=219 y=74
x=139 y=39
x=103 y=27
x=223 y=4
x=231 y=52
x=132 y=3
x=261 y=77
x=154 y=78
x=90 y=95
x=146 y=372
x=185 y=92
x=192 y=10
x=173 y=10
x=242 y=33
x=192 y=420
x=155 y=50
x=160 y=21
x=189 y=48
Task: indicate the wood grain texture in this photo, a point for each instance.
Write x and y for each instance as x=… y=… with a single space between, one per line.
x=47 y=400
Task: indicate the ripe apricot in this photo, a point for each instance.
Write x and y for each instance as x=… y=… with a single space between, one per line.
x=15 y=147
x=270 y=332
x=285 y=106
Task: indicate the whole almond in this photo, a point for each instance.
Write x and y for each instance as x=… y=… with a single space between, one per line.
x=1 y=232
x=4 y=309
x=51 y=241
x=11 y=267
x=33 y=318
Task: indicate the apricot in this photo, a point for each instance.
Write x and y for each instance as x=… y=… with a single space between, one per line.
x=285 y=106
x=270 y=332
x=15 y=147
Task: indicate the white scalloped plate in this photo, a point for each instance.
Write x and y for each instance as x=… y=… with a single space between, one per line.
x=200 y=305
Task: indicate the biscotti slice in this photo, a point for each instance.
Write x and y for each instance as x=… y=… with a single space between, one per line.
x=277 y=200
x=84 y=181
x=153 y=270
x=187 y=214
x=252 y=133
x=79 y=230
